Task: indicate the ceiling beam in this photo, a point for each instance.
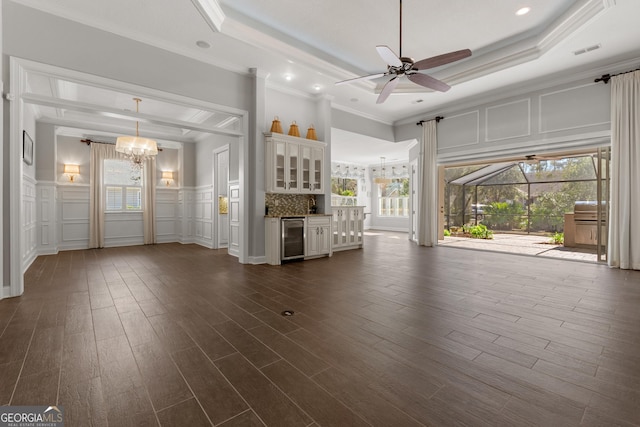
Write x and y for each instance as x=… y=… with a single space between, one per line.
x=99 y=110
x=87 y=128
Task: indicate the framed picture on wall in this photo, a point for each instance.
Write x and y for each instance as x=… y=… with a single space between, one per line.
x=27 y=148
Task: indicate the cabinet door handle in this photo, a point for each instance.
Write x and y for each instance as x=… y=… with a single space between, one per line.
x=322 y=231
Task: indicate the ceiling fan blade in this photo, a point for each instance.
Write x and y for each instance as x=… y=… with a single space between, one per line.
x=387 y=89
x=388 y=56
x=446 y=58
x=428 y=81
x=369 y=77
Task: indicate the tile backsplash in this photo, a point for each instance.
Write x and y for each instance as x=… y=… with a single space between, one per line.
x=287 y=204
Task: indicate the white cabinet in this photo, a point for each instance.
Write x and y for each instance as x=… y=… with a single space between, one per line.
x=311 y=169
x=294 y=165
x=347 y=227
x=272 y=240
x=318 y=236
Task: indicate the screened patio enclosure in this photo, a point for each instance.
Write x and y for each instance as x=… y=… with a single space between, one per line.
x=530 y=196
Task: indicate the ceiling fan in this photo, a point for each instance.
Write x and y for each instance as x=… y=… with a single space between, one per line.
x=403 y=65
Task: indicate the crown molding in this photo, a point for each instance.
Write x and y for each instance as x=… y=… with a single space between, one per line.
x=518 y=52
x=211 y=12
x=558 y=79
x=346 y=109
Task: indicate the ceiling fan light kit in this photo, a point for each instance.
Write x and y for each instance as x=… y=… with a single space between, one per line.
x=398 y=65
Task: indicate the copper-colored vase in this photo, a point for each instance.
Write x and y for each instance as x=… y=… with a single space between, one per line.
x=293 y=129
x=276 y=126
x=311 y=133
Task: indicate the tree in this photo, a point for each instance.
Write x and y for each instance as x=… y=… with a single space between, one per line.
x=548 y=208
x=503 y=216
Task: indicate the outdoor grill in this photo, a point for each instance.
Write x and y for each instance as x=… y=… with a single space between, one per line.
x=585 y=212
x=581 y=226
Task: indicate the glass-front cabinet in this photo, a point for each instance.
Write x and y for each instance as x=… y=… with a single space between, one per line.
x=293 y=154
x=317 y=172
x=280 y=155
x=294 y=165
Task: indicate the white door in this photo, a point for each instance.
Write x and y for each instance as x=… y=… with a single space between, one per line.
x=221 y=202
x=234 y=218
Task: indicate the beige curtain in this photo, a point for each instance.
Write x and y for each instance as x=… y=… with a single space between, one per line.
x=149 y=201
x=99 y=152
x=624 y=227
x=428 y=186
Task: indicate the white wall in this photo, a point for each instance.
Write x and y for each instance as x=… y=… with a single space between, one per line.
x=63 y=207
x=201 y=219
x=75 y=46
x=289 y=108
x=204 y=158
x=560 y=118
x=28 y=212
x=363 y=126
x=79 y=47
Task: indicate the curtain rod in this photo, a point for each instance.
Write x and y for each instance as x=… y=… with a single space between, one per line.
x=91 y=141
x=437 y=119
x=606 y=77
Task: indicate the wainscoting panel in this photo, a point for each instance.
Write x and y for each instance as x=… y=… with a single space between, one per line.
x=29 y=222
x=186 y=199
x=73 y=217
x=509 y=120
x=166 y=215
x=573 y=108
x=459 y=130
x=123 y=229
x=203 y=208
x=234 y=218
x=567 y=117
x=47 y=218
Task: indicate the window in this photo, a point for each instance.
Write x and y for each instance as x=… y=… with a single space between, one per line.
x=393 y=198
x=344 y=191
x=123 y=186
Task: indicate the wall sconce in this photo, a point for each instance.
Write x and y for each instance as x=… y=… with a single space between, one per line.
x=71 y=171
x=168 y=175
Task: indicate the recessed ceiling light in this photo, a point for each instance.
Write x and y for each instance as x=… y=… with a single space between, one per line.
x=290 y=61
x=203 y=44
x=523 y=11
x=288 y=77
x=317 y=87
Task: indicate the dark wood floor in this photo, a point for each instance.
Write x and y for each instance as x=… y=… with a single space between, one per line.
x=391 y=335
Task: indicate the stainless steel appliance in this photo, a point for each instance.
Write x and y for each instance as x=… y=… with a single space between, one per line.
x=293 y=238
x=585 y=215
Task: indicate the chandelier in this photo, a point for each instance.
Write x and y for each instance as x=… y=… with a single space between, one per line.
x=136 y=148
x=381 y=178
